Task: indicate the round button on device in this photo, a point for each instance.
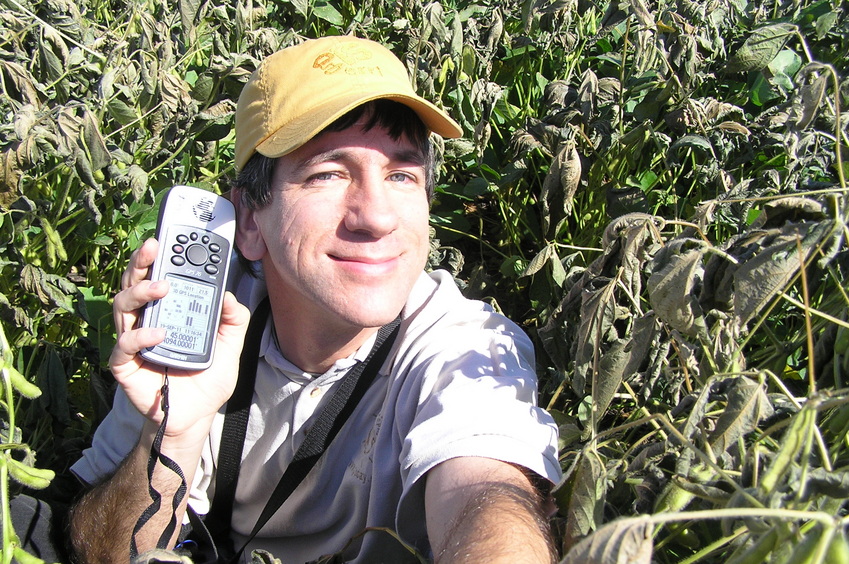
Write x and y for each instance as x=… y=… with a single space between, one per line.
x=177 y=260
x=197 y=254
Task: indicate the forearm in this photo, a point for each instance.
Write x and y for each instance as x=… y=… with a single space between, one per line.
x=502 y=523
x=482 y=510
x=102 y=522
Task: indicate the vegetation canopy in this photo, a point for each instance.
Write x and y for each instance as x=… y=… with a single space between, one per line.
x=654 y=189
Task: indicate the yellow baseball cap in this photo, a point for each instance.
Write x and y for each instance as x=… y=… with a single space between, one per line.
x=297 y=92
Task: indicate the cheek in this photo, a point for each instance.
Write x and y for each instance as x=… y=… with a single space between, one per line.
x=417 y=213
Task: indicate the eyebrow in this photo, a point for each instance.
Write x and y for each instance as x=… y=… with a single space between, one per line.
x=406 y=156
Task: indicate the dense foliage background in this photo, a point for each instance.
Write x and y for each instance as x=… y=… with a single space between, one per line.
x=655 y=190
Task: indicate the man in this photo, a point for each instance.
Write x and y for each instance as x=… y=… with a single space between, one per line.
x=447 y=447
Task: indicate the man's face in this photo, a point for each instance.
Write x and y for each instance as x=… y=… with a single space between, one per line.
x=346 y=233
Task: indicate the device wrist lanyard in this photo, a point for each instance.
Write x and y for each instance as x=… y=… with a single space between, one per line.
x=351 y=389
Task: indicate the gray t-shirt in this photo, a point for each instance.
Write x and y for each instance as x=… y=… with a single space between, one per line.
x=459 y=381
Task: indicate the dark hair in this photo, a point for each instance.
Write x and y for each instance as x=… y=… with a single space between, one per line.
x=254 y=181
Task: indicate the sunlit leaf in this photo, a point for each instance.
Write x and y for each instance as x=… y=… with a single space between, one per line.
x=627 y=541
x=760 y=48
x=671 y=291
x=761 y=277
x=747 y=405
x=584 y=488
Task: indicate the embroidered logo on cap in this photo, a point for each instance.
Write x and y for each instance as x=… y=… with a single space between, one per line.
x=347 y=58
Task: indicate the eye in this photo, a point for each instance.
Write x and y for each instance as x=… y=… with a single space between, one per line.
x=323 y=177
x=401 y=177
x=413 y=177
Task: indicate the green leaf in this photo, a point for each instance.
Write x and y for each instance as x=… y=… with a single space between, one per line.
x=53 y=382
x=747 y=406
x=584 y=489
x=93 y=141
x=327 y=12
x=760 y=48
x=302 y=7
x=624 y=540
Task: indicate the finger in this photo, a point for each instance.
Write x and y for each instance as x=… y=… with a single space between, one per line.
x=234 y=321
x=127 y=305
x=124 y=358
x=140 y=262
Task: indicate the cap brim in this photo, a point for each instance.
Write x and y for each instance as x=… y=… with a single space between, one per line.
x=298 y=131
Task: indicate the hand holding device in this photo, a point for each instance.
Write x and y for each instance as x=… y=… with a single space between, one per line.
x=195 y=230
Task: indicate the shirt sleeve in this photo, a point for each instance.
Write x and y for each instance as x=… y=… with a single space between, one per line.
x=113 y=440
x=116 y=437
x=477 y=397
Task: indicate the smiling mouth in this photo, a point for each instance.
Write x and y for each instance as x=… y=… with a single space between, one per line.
x=366 y=264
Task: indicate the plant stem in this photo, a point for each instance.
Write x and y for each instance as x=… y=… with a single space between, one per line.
x=9 y=536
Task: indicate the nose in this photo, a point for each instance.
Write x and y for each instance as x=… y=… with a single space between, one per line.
x=370 y=207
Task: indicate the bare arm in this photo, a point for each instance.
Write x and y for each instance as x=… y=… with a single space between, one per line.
x=481 y=510
x=102 y=522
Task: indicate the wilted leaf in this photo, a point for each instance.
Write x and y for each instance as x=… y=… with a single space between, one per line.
x=672 y=291
x=810 y=97
x=188 y=12
x=559 y=187
x=138 y=181
x=598 y=313
x=120 y=111
x=760 y=48
x=50 y=288
x=584 y=491
x=25 y=118
x=625 y=541
x=433 y=22
x=610 y=373
x=761 y=277
x=538 y=261
x=832 y=483
x=93 y=140
x=10 y=175
x=54 y=387
x=52 y=62
x=747 y=405
x=587 y=94
x=22 y=81
x=695 y=143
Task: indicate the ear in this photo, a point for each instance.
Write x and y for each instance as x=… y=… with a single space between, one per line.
x=248 y=234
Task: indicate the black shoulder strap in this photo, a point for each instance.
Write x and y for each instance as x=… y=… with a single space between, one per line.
x=235 y=427
x=331 y=419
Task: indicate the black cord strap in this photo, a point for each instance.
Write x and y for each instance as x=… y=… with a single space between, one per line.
x=213 y=532
x=157 y=456
x=331 y=419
